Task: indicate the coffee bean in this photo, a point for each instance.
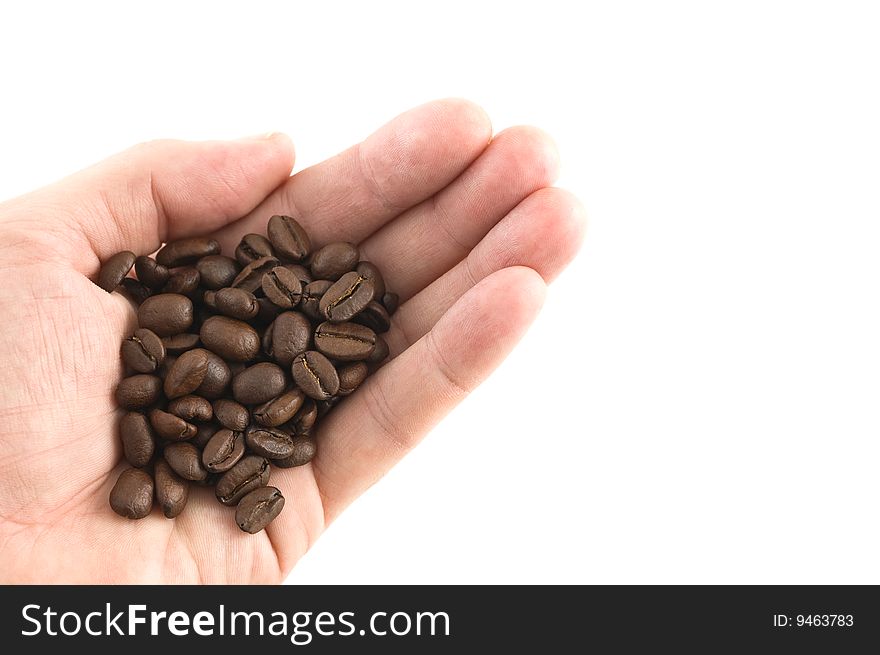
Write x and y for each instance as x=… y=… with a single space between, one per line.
x=184 y=281
x=231 y=414
x=191 y=408
x=180 y=343
x=187 y=373
x=269 y=443
x=305 y=418
x=218 y=375
x=235 y=303
x=325 y=406
x=312 y=294
x=288 y=238
x=186 y=251
x=132 y=495
x=380 y=352
x=258 y=383
x=134 y=290
x=172 y=491
x=301 y=272
x=258 y=509
x=143 y=351
x=304 y=449
x=253 y=247
x=390 y=301
x=224 y=450
x=171 y=427
x=138 y=391
x=345 y=341
x=138 y=442
x=279 y=410
x=251 y=276
x=249 y=473
x=115 y=269
x=186 y=460
x=371 y=272
x=217 y=271
x=315 y=375
x=334 y=260
x=375 y=317
x=282 y=287
x=166 y=314
x=287 y=337
x=348 y=295
x=204 y=432
x=351 y=376
x=150 y=273
x=230 y=338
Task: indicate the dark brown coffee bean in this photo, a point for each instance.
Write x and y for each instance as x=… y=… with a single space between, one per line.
x=217 y=378
x=166 y=314
x=217 y=271
x=301 y=272
x=288 y=238
x=279 y=410
x=334 y=260
x=132 y=495
x=253 y=247
x=223 y=451
x=258 y=509
x=287 y=337
x=346 y=342
x=348 y=295
x=150 y=273
x=282 y=287
x=251 y=276
x=187 y=373
x=375 y=317
x=171 y=427
x=172 y=491
x=380 y=352
x=204 y=432
x=230 y=338
x=191 y=408
x=186 y=460
x=235 y=303
x=315 y=375
x=312 y=294
x=135 y=291
x=115 y=269
x=231 y=414
x=351 y=376
x=305 y=418
x=180 y=343
x=184 y=281
x=138 y=391
x=269 y=443
x=304 y=449
x=369 y=271
x=138 y=442
x=186 y=251
x=258 y=383
x=390 y=302
x=249 y=473
x=143 y=351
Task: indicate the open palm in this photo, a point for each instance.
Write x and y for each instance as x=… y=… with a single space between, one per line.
x=463 y=225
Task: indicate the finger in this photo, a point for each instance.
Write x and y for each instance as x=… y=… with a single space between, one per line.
x=350 y=195
x=159 y=191
x=543 y=232
x=394 y=409
x=426 y=241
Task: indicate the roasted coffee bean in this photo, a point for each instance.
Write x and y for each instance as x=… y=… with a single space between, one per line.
x=166 y=314
x=217 y=271
x=267 y=311
x=138 y=391
x=191 y=408
x=390 y=301
x=180 y=343
x=269 y=443
x=346 y=342
x=351 y=376
x=301 y=272
x=287 y=337
x=325 y=406
x=375 y=317
x=150 y=273
x=251 y=276
x=334 y=260
x=235 y=303
x=134 y=290
x=187 y=373
x=115 y=269
x=184 y=281
x=304 y=449
x=204 y=432
x=288 y=238
x=138 y=443
x=258 y=383
x=282 y=287
x=172 y=491
x=279 y=410
x=315 y=375
x=380 y=352
x=171 y=427
x=348 y=295
x=369 y=271
x=186 y=460
x=312 y=294
x=258 y=509
x=253 y=247
x=231 y=414
x=186 y=251
x=132 y=495
x=249 y=473
x=143 y=351
x=223 y=451
x=305 y=418
x=230 y=338
x=218 y=375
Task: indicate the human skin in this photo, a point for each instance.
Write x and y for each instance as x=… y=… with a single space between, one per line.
x=464 y=225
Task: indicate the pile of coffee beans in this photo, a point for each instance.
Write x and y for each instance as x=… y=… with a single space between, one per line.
x=235 y=362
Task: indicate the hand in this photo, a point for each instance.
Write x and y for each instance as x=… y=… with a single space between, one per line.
x=464 y=227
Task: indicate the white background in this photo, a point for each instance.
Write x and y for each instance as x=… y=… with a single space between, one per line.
x=719 y=331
